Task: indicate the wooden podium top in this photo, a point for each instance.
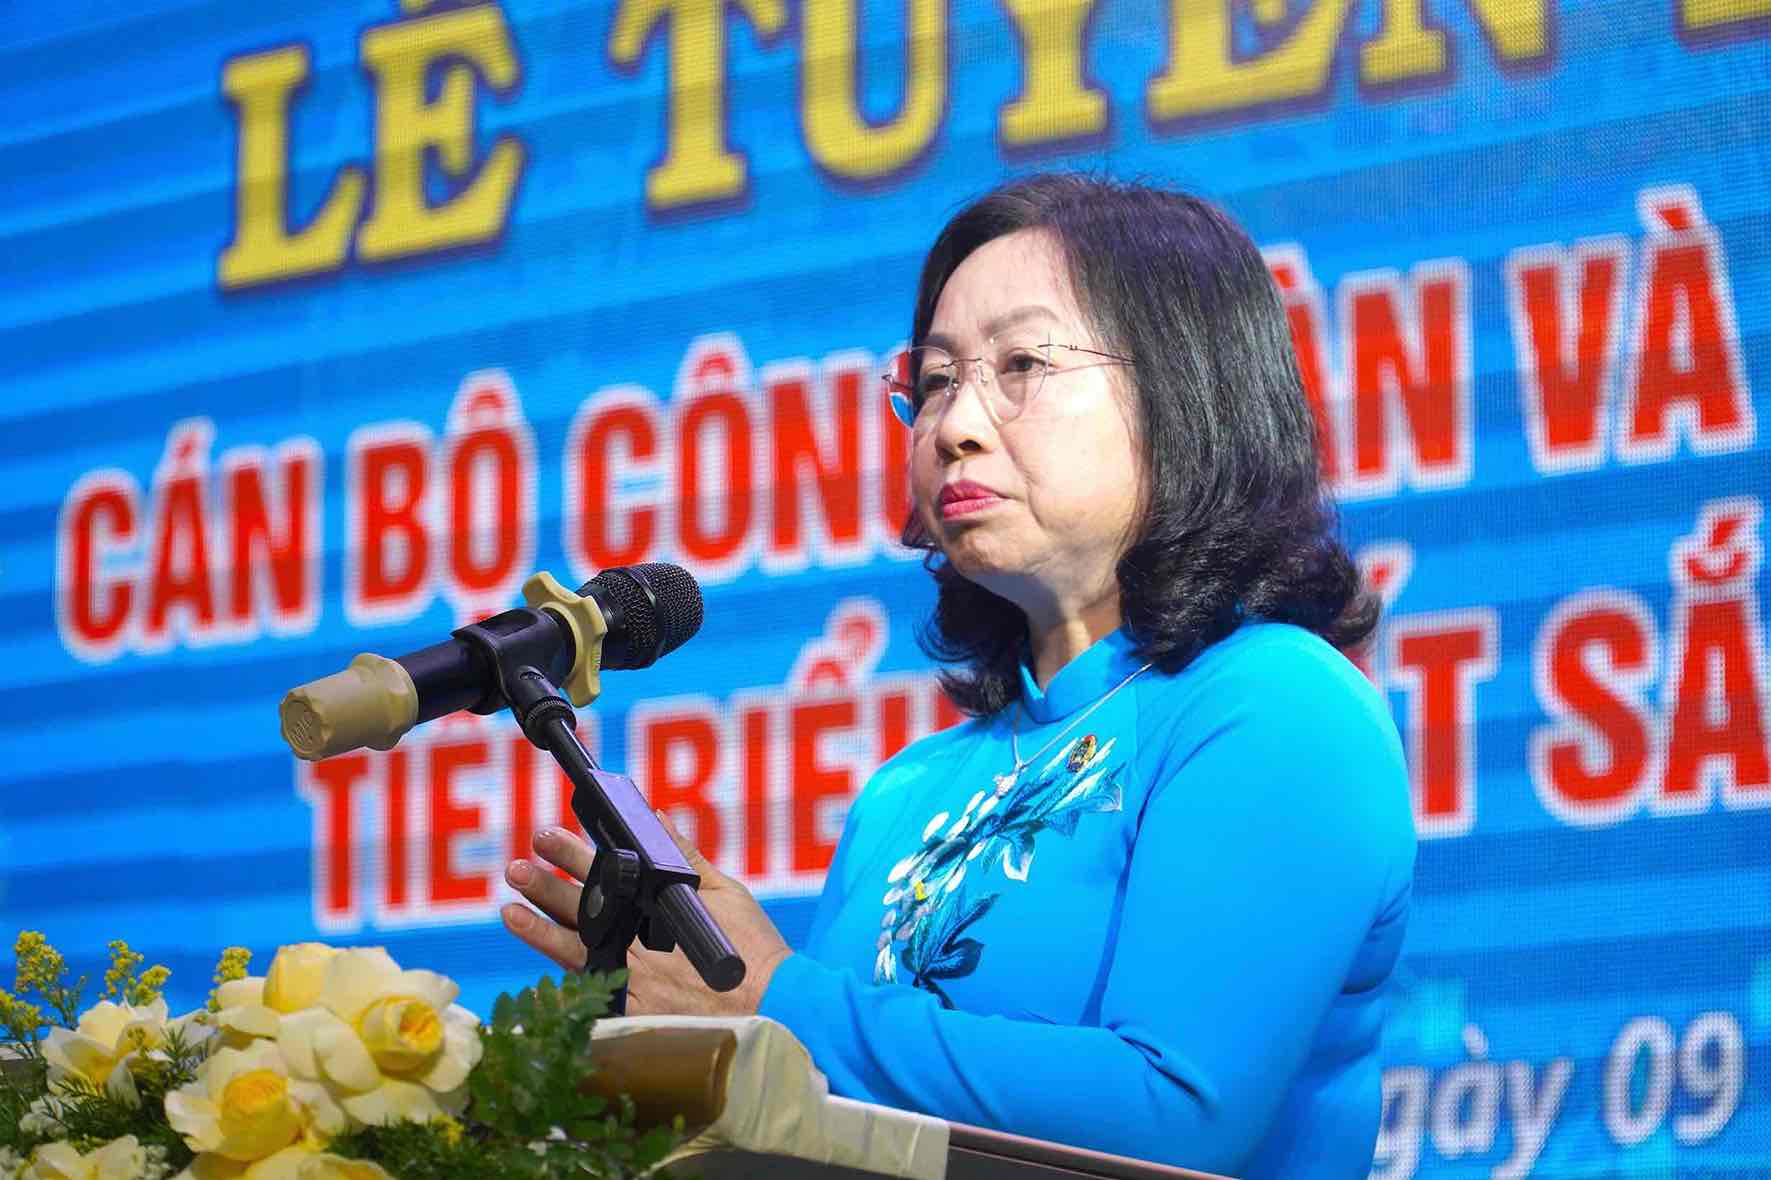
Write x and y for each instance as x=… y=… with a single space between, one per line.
x=973 y=1153
x=757 y=1107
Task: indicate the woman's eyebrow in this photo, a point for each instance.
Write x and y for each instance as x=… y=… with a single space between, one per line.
x=1006 y=320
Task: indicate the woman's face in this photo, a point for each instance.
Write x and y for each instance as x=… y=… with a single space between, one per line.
x=1039 y=509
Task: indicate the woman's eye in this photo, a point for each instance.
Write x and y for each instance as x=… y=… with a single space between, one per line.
x=1022 y=362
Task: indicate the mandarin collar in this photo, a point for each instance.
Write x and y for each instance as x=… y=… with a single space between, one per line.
x=1081 y=682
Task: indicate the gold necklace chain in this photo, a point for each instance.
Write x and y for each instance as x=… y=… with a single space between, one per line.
x=1005 y=781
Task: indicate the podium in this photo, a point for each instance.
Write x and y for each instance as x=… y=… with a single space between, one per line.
x=756 y=1106
x=973 y=1153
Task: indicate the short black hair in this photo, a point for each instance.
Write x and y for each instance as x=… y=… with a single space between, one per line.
x=1236 y=522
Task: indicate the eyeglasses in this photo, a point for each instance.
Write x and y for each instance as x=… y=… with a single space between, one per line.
x=929 y=376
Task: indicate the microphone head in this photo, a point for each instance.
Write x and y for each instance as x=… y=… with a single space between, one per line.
x=651 y=609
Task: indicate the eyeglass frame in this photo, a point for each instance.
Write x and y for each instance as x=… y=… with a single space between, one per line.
x=896 y=389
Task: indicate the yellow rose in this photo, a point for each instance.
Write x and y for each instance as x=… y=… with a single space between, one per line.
x=241 y=1013
x=402 y=1033
x=244 y=1106
x=331 y=1167
x=296 y=975
x=284 y=1165
x=251 y=1006
x=120 y=1159
x=107 y=1036
x=390 y=1045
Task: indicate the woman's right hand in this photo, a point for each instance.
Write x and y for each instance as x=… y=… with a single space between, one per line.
x=658 y=981
x=557 y=899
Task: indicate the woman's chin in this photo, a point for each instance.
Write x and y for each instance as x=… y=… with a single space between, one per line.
x=976 y=559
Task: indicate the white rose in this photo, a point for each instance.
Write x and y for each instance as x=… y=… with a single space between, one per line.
x=42 y=1117
x=107 y=1036
x=120 y=1159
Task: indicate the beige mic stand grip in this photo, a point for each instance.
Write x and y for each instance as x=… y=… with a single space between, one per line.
x=371 y=703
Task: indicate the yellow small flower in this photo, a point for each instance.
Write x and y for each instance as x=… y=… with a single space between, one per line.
x=151 y=985
x=123 y=964
x=40 y=965
x=121 y=982
x=233 y=964
x=21 y=1020
x=450 y=1129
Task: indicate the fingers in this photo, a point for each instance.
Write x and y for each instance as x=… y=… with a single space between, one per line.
x=554 y=941
x=655 y=982
x=556 y=898
x=692 y=854
x=565 y=849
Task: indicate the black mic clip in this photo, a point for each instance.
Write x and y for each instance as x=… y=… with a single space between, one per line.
x=640 y=884
x=518 y=653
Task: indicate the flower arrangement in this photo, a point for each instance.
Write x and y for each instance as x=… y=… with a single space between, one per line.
x=336 y=1064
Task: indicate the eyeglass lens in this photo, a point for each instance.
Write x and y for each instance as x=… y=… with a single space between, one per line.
x=1005 y=382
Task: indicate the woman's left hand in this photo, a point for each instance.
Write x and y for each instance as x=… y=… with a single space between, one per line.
x=657 y=983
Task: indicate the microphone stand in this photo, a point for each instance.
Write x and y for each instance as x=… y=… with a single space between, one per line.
x=640 y=884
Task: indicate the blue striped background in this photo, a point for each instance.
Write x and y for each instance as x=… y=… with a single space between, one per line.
x=149 y=797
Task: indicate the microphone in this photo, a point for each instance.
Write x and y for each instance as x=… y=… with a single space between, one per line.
x=641 y=885
x=623 y=618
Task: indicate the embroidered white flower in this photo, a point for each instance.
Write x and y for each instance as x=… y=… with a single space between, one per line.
x=997 y=827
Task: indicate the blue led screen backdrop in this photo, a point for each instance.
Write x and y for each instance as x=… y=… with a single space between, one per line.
x=326 y=325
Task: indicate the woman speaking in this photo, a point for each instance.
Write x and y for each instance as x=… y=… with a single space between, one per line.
x=1147 y=899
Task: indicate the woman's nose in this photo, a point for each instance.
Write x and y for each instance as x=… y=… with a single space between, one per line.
x=965 y=424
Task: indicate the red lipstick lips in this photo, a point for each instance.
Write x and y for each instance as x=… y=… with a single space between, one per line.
x=963 y=497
